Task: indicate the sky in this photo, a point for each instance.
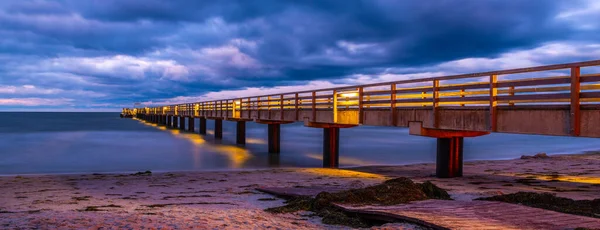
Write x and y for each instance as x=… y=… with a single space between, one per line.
x=102 y=55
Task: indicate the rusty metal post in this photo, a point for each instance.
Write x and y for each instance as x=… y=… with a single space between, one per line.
x=274 y=137
x=175 y=121
x=218 y=128
x=575 y=102
x=331 y=147
x=191 y=121
x=182 y=123
x=240 y=133
x=202 y=121
x=449 y=162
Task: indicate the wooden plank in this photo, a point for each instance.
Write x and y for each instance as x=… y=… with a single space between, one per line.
x=590 y=78
x=575 y=109
x=589 y=95
x=414 y=90
x=534 y=97
x=463 y=99
x=477 y=85
x=533 y=82
x=378 y=92
x=493 y=103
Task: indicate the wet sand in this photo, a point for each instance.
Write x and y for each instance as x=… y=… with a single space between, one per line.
x=228 y=199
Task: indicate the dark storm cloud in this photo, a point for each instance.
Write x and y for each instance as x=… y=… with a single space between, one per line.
x=142 y=49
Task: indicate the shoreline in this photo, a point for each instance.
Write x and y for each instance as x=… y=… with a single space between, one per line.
x=228 y=199
x=594 y=150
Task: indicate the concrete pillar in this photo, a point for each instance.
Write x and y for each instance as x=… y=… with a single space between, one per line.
x=203 y=125
x=191 y=124
x=218 y=129
x=169 y=121
x=182 y=123
x=449 y=162
x=331 y=147
x=274 y=138
x=241 y=133
x=175 y=121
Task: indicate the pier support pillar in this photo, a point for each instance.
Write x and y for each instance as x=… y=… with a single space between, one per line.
x=449 y=161
x=274 y=132
x=202 y=121
x=182 y=123
x=218 y=128
x=240 y=133
x=331 y=147
x=169 y=121
x=191 y=124
x=175 y=121
x=164 y=120
x=449 y=158
x=331 y=141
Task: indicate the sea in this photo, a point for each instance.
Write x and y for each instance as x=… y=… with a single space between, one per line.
x=58 y=143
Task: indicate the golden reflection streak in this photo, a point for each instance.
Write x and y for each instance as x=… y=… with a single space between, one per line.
x=343 y=160
x=563 y=178
x=236 y=155
x=341 y=173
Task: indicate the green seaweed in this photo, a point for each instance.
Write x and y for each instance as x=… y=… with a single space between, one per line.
x=391 y=192
x=146 y=173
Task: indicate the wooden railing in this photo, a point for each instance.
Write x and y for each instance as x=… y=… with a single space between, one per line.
x=545 y=86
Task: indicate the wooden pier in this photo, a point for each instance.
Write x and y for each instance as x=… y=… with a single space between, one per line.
x=562 y=99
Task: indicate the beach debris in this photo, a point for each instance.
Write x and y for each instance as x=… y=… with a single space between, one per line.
x=146 y=173
x=536 y=156
x=81 y=198
x=391 y=192
x=187 y=203
x=550 y=201
x=99 y=208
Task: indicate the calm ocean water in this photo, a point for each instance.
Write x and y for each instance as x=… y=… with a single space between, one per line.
x=103 y=142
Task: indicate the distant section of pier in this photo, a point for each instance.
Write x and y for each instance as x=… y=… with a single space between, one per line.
x=562 y=99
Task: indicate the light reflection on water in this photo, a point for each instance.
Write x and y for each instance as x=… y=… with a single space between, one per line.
x=102 y=142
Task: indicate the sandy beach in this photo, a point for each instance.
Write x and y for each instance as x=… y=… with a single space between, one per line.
x=229 y=199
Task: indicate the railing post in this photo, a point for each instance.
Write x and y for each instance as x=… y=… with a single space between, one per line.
x=575 y=102
x=335 y=103
x=393 y=104
x=258 y=108
x=462 y=95
x=493 y=103
x=296 y=106
x=360 y=105
x=281 y=107
x=249 y=105
x=314 y=106
x=511 y=92
x=435 y=100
